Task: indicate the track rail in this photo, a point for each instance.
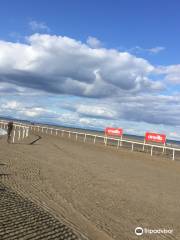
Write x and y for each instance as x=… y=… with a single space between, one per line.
x=118 y=141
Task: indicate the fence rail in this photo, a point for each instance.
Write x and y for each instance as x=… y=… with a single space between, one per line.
x=118 y=142
x=19 y=131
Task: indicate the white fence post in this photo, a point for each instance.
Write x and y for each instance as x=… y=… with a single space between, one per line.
x=84 y=137
x=132 y=147
x=173 y=154
x=105 y=141
x=23 y=132
x=27 y=132
x=76 y=136
x=14 y=135
x=151 y=150
x=118 y=143
x=121 y=142
x=94 y=139
x=19 y=134
x=144 y=145
x=164 y=147
x=69 y=134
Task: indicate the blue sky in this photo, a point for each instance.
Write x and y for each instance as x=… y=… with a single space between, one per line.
x=117 y=23
x=92 y=63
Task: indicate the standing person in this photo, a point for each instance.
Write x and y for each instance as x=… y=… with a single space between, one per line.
x=9 y=131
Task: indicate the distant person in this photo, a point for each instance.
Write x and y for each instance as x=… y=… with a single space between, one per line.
x=9 y=131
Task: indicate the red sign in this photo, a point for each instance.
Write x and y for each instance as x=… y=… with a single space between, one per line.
x=155 y=137
x=114 y=131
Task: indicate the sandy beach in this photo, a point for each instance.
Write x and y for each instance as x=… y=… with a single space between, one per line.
x=99 y=192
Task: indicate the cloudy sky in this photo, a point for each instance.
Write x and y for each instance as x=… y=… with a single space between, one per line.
x=92 y=65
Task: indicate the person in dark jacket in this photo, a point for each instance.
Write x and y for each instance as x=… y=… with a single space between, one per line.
x=9 y=131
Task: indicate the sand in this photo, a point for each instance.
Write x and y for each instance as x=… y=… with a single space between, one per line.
x=21 y=219
x=100 y=192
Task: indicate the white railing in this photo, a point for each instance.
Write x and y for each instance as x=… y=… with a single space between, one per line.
x=19 y=131
x=119 y=141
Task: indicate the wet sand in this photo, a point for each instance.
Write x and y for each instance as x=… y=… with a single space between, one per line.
x=99 y=191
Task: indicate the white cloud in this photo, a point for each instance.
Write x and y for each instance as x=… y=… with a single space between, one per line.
x=69 y=118
x=22 y=109
x=63 y=65
x=153 y=50
x=95 y=110
x=156 y=50
x=94 y=42
x=142 y=108
x=136 y=114
x=11 y=105
x=112 y=86
x=34 y=111
x=172 y=73
x=38 y=26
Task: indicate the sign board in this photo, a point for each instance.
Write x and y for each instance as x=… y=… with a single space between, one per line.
x=155 y=137
x=114 y=131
